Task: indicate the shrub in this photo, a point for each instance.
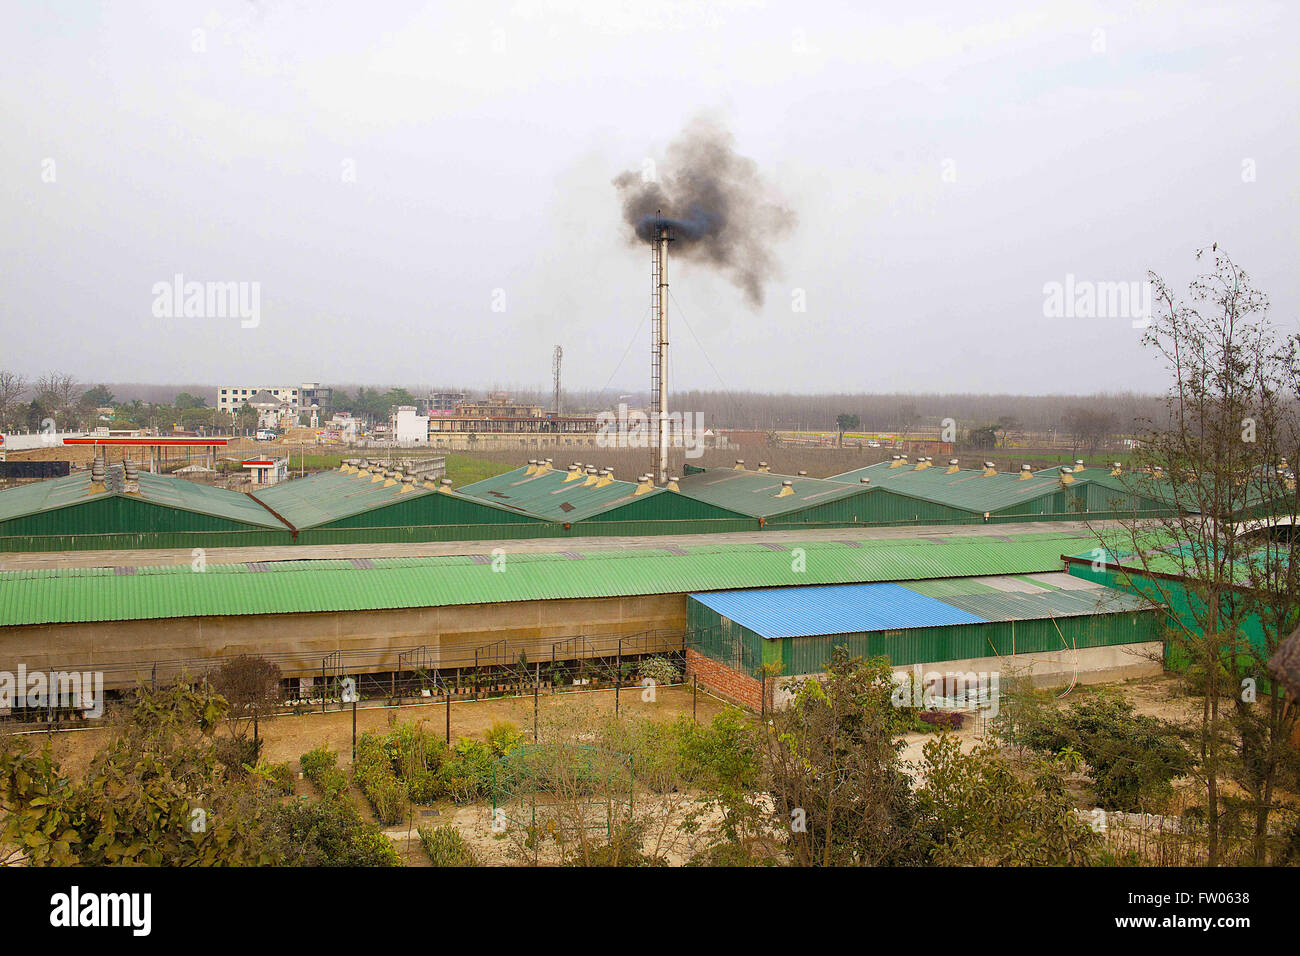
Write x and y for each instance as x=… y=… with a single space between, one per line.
x=942 y=719
x=1132 y=758
x=278 y=775
x=416 y=757
x=467 y=773
x=661 y=670
x=378 y=780
x=320 y=766
x=503 y=737
x=446 y=846
x=329 y=833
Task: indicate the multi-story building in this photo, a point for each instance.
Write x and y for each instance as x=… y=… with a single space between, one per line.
x=442 y=403
x=304 y=397
x=232 y=398
x=498 y=406
x=407 y=427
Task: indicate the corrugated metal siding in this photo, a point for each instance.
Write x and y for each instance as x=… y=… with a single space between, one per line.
x=809 y=655
x=885 y=506
x=127 y=522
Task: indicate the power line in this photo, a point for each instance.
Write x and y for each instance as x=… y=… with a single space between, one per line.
x=691 y=329
x=628 y=350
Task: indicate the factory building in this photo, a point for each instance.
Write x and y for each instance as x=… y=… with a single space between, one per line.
x=140 y=621
x=588 y=501
x=375 y=503
x=984 y=493
x=779 y=501
x=128 y=510
x=1048 y=628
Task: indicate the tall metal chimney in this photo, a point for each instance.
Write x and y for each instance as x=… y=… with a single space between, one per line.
x=659 y=345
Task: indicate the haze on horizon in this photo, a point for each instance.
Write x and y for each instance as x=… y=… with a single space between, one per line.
x=424 y=192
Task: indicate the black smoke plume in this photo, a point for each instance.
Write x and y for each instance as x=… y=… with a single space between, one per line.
x=721 y=212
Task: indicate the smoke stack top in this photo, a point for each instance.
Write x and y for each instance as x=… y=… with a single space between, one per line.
x=720 y=211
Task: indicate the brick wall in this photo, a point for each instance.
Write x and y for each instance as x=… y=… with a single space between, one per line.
x=726 y=682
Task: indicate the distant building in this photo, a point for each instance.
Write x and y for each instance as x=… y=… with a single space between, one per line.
x=442 y=403
x=343 y=427
x=296 y=398
x=232 y=398
x=498 y=406
x=272 y=411
x=407 y=427
x=267 y=471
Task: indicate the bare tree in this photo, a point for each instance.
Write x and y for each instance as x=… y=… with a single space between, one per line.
x=251 y=686
x=60 y=392
x=1089 y=427
x=12 y=388
x=1203 y=464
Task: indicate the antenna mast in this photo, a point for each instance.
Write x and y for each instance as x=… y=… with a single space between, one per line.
x=555 y=373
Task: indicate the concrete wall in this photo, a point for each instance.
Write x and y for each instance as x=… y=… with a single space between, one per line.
x=370 y=641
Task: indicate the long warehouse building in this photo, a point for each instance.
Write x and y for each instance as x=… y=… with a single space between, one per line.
x=143 y=622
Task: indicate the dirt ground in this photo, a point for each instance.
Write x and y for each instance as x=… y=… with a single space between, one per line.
x=286 y=738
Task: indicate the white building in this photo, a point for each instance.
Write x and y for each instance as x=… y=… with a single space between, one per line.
x=231 y=398
x=267 y=471
x=407 y=427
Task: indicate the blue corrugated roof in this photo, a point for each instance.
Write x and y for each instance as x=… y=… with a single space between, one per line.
x=833 y=609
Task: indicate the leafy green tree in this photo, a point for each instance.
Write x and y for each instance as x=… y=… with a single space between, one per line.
x=724 y=759
x=98 y=396
x=833 y=768
x=156 y=795
x=982 y=812
x=1132 y=758
x=844 y=422
x=185 y=401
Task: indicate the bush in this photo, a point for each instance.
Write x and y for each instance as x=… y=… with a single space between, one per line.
x=320 y=766
x=467 y=773
x=656 y=746
x=278 y=775
x=661 y=670
x=329 y=833
x=503 y=737
x=1132 y=758
x=446 y=846
x=378 y=780
x=237 y=754
x=416 y=757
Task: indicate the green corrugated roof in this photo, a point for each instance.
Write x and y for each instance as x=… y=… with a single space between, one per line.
x=1022 y=606
x=551 y=495
x=111 y=594
x=332 y=495
x=968 y=489
x=758 y=494
x=328 y=496
x=1019 y=597
x=157 y=489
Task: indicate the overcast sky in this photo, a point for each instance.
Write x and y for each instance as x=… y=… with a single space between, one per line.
x=423 y=191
